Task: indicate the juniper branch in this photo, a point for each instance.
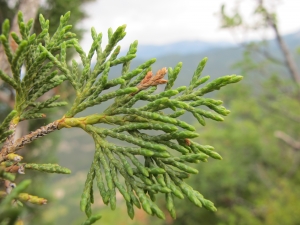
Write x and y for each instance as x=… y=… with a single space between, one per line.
x=162 y=172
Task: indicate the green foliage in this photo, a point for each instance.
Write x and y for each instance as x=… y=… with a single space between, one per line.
x=10 y=214
x=230 y=21
x=148 y=166
x=256 y=162
x=91 y=220
x=6 y=175
x=51 y=9
x=4 y=127
x=36 y=81
x=55 y=8
x=258 y=181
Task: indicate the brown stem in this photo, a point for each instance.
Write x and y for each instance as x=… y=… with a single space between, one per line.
x=11 y=146
x=289 y=61
x=288 y=140
x=19 y=143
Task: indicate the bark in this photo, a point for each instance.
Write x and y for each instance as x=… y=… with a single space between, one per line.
x=289 y=61
x=288 y=140
x=12 y=146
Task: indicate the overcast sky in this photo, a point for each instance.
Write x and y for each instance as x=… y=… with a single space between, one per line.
x=158 y=22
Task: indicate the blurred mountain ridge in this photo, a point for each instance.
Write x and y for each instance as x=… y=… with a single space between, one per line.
x=198 y=46
x=181 y=48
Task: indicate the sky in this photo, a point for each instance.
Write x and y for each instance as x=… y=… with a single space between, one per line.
x=159 y=22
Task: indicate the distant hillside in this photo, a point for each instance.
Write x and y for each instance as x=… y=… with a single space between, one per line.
x=199 y=47
x=181 y=48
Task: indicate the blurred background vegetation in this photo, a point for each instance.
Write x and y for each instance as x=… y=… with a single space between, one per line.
x=256 y=183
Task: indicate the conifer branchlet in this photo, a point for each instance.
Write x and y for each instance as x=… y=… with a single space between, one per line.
x=152 y=163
